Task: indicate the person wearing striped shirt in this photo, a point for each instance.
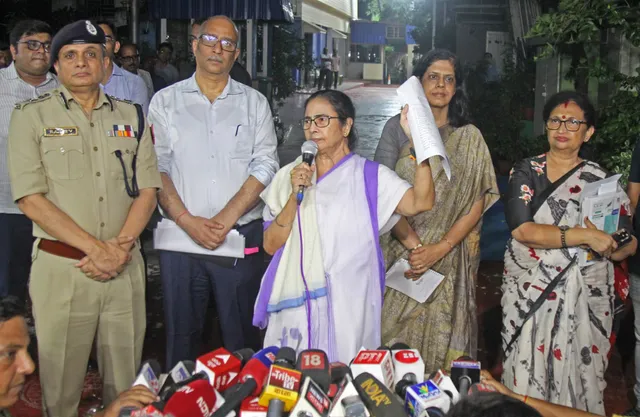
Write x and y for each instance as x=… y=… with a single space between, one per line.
x=27 y=78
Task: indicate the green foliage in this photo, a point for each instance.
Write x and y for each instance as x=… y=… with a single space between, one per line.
x=617 y=132
x=289 y=53
x=390 y=10
x=577 y=29
x=497 y=109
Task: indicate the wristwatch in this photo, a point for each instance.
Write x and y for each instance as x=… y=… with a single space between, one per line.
x=412 y=151
x=563 y=235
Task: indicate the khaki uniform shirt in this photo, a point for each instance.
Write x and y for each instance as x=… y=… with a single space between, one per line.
x=55 y=150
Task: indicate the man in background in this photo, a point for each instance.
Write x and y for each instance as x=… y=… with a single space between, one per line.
x=130 y=61
x=5 y=56
x=27 y=78
x=335 y=68
x=163 y=67
x=117 y=82
x=324 y=79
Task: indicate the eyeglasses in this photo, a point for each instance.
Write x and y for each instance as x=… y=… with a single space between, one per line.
x=321 y=120
x=131 y=58
x=109 y=38
x=571 y=124
x=36 y=45
x=212 y=40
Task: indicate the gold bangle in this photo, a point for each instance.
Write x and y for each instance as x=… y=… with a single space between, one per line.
x=418 y=246
x=449 y=243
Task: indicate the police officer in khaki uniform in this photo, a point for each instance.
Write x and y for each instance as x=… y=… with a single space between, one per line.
x=79 y=170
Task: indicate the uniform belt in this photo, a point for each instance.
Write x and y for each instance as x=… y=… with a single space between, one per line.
x=58 y=248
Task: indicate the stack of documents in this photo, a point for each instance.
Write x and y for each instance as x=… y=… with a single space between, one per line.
x=600 y=201
x=424 y=132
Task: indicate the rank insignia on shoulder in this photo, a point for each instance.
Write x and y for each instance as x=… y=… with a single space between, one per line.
x=61 y=131
x=22 y=105
x=121 y=99
x=123 y=131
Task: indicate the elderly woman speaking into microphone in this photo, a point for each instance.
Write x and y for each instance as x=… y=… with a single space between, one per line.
x=324 y=286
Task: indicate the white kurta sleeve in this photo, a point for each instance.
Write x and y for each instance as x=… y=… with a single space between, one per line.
x=391 y=189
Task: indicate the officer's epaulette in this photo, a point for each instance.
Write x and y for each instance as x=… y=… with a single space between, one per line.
x=22 y=105
x=120 y=99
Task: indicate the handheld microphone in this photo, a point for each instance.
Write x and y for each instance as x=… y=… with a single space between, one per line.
x=446 y=385
x=250 y=380
x=171 y=389
x=194 y=400
x=283 y=383
x=480 y=387
x=464 y=373
x=426 y=397
x=407 y=362
x=378 y=399
x=222 y=367
x=148 y=376
x=182 y=371
x=314 y=363
x=376 y=362
x=251 y=408
x=337 y=373
x=313 y=401
x=309 y=151
x=344 y=405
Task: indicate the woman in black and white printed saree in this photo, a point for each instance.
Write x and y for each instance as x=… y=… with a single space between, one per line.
x=557 y=314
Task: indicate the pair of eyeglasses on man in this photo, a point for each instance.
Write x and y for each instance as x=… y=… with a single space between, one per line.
x=212 y=40
x=571 y=124
x=132 y=58
x=36 y=45
x=321 y=120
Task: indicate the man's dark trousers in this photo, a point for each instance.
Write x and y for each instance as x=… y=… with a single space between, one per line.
x=16 y=244
x=187 y=282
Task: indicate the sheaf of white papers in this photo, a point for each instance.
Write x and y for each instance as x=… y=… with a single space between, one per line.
x=425 y=134
x=421 y=289
x=600 y=201
x=173 y=238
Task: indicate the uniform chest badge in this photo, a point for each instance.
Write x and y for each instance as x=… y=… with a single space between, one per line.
x=123 y=131
x=60 y=131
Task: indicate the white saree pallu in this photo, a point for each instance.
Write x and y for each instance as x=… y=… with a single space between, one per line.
x=323 y=288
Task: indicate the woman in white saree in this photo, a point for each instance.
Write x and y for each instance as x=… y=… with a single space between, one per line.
x=324 y=286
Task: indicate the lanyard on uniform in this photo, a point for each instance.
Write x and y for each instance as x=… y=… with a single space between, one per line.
x=133 y=191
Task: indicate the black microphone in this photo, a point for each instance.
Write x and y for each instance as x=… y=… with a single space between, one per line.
x=309 y=151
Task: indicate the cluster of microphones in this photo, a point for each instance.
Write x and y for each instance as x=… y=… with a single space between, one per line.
x=274 y=382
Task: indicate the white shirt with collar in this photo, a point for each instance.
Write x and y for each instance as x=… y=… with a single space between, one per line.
x=13 y=90
x=210 y=149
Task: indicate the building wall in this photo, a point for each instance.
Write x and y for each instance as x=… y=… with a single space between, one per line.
x=547 y=84
x=471 y=41
x=324 y=17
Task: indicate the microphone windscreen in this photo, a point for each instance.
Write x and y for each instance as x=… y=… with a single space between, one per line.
x=309 y=146
x=286 y=357
x=244 y=355
x=194 y=400
x=400 y=346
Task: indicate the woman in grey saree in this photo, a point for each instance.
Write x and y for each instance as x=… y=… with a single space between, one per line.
x=444 y=327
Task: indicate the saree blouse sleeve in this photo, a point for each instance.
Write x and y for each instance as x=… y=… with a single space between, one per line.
x=520 y=195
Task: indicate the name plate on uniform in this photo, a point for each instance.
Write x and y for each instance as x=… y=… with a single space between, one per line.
x=60 y=131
